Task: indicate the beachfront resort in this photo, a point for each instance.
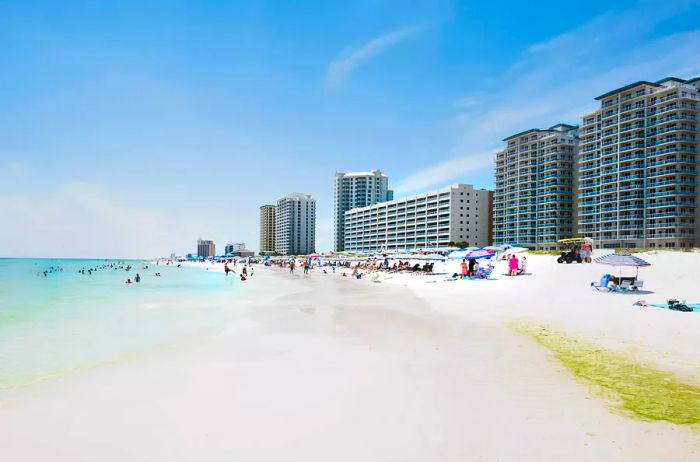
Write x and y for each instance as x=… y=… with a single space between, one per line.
x=356 y=233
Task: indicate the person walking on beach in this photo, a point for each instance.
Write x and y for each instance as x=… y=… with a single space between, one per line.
x=291 y=267
x=306 y=268
x=226 y=268
x=465 y=268
x=245 y=270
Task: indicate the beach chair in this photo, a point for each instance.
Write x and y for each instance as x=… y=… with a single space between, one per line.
x=625 y=286
x=603 y=284
x=636 y=285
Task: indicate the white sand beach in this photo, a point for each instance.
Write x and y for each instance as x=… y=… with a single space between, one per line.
x=328 y=368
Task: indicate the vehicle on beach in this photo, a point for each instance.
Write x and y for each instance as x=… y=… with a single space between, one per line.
x=571 y=249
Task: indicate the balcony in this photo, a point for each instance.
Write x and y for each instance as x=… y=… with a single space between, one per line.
x=672 y=192
x=671 y=203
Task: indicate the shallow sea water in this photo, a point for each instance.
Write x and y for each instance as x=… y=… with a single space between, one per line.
x=66 y=321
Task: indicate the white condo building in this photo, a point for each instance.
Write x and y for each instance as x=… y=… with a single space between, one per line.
x=295 y=224
x=354 y=190
x=534 y=198
x=638 y=166
x=455 y=213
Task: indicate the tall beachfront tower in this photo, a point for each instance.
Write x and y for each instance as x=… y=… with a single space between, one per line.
x=295 y=224
x=205 y=248
x=534 y=197
x=639 y=166
x=267 y=229
x=456 y=213
x=353 y=190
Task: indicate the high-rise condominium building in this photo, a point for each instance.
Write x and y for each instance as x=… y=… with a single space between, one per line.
x=455 y=213
x=638 y=166
x=353 y=190
x=205 y=249
x=534 y=197
x=267 y=229
x=295 y=225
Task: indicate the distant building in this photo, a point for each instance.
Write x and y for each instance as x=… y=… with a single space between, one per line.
x=354 y=190
x=205 y=249
x=295 y=224
x=243 y=253
x=535 y=197
x=231 y=248
x=267 y=229
x=456 y=213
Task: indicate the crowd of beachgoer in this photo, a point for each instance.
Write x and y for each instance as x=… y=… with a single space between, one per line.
x=472 y=269
x=50 y=270
x=516 y=267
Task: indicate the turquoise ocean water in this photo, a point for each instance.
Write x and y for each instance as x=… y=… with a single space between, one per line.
x=65 y=321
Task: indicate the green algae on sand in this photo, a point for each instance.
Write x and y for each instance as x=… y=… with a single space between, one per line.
x=644 y=392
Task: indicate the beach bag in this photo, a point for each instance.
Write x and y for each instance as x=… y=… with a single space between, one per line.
x=680 y=307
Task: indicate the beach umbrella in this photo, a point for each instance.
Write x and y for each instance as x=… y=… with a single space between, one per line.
x=622 y=259
x=471 y=254
x=494 y=248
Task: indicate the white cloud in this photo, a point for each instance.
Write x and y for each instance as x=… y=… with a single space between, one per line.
x=466 y=102
x=444 y=172
x=557 y=81
x=340 y=68
x=86 y=219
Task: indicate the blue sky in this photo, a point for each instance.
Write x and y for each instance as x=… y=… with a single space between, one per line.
x=132 y=128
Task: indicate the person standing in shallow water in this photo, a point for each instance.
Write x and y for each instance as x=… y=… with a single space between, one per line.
x=137 y=278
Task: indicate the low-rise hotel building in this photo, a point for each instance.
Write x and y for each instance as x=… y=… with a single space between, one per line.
x=638 y=166
x=457 y=213
x=535 y=181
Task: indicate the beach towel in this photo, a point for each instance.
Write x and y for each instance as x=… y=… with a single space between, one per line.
x=695 y=306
